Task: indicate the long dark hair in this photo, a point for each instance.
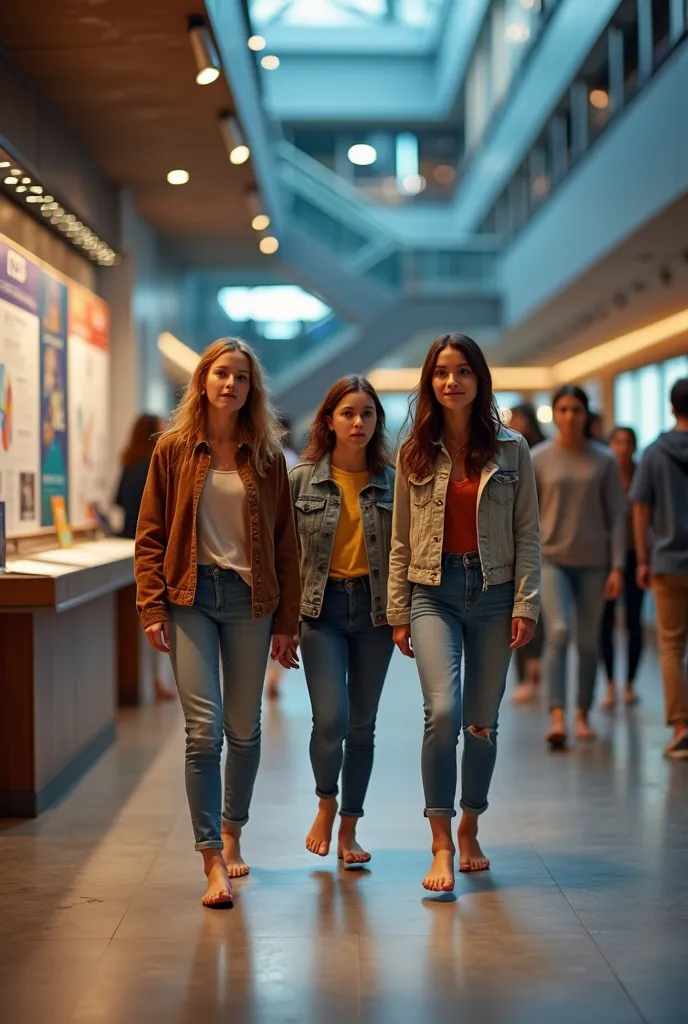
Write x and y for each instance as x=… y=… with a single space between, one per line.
x=141 y=440
x=427 y=421
x=574 y=391
x=322 y=440
x=535 y=434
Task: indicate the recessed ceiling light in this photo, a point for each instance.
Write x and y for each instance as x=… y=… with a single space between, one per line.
x=256 y=43
x=239 y=155
x=21 y=188
x=37 y=189
x=362 y=154
x=260 y=222
x=270 y=62
x=11 y=179
x=4 y=163
x=269 y=245
x=26 y=181
x=178 y=177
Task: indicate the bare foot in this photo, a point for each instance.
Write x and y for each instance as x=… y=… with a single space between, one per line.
x=524 y=693
x=231 y=851
x=471 y=857
x=440 y=877
x=631 y=697
x=320 y=836
x=608 y=702
x=583 y=730
x=556 y=735
x=163 y=691
x=219 y=891
x=348 y=850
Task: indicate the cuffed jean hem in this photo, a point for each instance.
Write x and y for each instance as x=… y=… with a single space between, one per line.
x=321 y=795
x=228 y=823
x=475 y=811
x=350 y=814
x=209 y=844
x=439 y=812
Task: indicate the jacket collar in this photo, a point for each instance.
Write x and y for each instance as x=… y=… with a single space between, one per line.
x=322 y=473
x=503 y=434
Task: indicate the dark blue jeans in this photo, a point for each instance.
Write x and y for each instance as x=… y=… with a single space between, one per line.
x=345 y=659
x=448 y=622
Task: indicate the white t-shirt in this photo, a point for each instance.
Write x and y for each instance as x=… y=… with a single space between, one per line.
x=223 y=531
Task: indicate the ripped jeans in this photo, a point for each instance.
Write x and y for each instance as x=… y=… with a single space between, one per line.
x=458 y=619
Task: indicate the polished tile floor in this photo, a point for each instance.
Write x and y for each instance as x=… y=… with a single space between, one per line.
x=583 y=918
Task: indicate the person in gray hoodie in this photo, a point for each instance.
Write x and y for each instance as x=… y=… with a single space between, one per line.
x=660 y=496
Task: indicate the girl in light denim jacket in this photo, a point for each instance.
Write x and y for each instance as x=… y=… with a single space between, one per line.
x=343 y=496
x=464 y=579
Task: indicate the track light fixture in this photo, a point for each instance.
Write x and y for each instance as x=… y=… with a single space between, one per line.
x=233 y=138
x=259 y=219
x=207 y=60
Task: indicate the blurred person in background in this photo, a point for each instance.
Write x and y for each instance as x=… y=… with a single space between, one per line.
x=135 y=462
x=596 y=427
x=274 y=671
x=524 y=420
x=583 y=522
x=660 y=496
x=464 y=581
x=343 y=492
x=623 y=443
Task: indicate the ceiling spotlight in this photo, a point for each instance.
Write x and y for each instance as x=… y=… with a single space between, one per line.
x=206 y=56
x=178 y=177
x=233 y=138
x=362 y=155
x=270 y=62
x=21 y=188
x=256 y=43
x=36 y=189
x=26 y=181
x=11 y=179
x=4 y=163
x=544 y=414
x=269 y=245
x=260 y=222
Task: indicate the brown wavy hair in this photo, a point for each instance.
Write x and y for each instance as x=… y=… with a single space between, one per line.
x=427 y=421
x=141 y=440
x=258 y=424
x=322 y=440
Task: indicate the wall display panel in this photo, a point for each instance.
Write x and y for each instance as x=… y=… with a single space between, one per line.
x=54 y=393
x=88 y=362
x=20 y=286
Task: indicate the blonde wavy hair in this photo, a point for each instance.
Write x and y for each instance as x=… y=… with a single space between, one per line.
x=258 y=424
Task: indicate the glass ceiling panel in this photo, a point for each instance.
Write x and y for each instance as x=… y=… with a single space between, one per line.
x=346 y=13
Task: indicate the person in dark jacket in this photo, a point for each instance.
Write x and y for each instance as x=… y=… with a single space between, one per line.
x=135 y=462
x=659 y=493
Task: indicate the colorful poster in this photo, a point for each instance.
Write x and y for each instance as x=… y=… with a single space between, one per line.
x=19 y=390
x=54 y=449
x=88 y=372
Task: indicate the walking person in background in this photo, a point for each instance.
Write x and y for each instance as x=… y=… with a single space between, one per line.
x=343 y=493
x=274 y=671
x=135 y=463
x=464 y=578
x=623 y=443
x=596 y=427
x=660 y=497
x=583 y=521
x=528 y=659
x=218 y=577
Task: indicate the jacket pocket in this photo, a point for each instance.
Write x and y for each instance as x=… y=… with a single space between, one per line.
x=421 y=493
x=501 y=488
x=310 y=511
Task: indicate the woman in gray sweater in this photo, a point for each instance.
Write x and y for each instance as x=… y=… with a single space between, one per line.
x=583 y=523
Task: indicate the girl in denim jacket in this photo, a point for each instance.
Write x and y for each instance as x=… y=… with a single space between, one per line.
x=464 y=580
x=342 y=495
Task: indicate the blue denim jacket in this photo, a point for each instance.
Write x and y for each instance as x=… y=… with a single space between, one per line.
x=317 y=500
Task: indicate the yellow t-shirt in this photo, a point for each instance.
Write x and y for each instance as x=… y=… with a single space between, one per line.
x=349 y=556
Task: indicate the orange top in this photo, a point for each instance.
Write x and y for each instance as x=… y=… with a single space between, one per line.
x=460 y=517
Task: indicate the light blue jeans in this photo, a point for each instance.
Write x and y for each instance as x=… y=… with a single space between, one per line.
x=448 y=621
x=567 y=591
x=345 y=658
x=219 y=624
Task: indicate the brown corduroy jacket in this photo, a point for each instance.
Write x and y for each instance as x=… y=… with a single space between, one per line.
x=166 y=535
